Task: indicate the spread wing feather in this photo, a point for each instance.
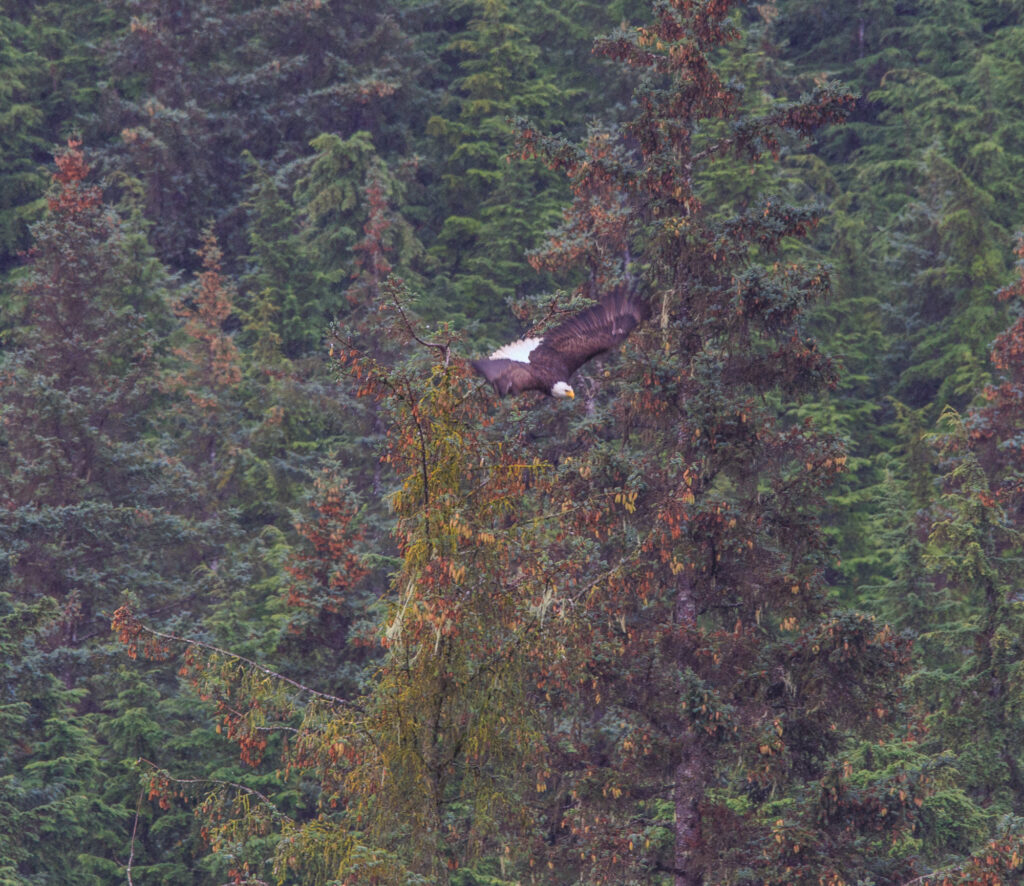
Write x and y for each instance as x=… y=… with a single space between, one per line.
x=536 y=364
x=591 y=332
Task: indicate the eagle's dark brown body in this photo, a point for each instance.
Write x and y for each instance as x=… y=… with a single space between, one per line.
x=546 y=364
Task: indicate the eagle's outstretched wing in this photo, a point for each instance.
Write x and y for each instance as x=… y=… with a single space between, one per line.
x=593 y=331
x=546 y=364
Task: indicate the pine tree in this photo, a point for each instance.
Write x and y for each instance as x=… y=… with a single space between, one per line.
x=973 y=553
x=711 y=694
x=496 y=210
x=693 y=707
x=77 y=385
x=50 y=788
x=50 y=75
x=412 y=779
x=197 y=86
x=207 y=370
x=925 y=194
x=23 y=181
x=95 y=509
x=608 y=651
x=995 y=426
x=955 y=588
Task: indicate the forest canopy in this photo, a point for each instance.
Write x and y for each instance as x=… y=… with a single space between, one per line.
x=289 y=595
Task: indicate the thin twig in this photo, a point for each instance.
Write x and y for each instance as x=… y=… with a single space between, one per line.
x=131 y=850
x=245 y=789
x=424 y=468
x=445 y=348
x=174 y=638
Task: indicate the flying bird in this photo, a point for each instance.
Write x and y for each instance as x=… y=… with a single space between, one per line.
x=546 y=364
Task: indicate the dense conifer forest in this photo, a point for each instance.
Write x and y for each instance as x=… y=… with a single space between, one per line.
x=288 y=595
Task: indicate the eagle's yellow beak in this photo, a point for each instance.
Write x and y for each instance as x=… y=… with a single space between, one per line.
x=571 y=394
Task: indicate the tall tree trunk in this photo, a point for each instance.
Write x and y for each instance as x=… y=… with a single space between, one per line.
x=690 y=775
x=689 y=785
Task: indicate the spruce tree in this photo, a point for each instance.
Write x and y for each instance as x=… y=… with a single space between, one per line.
x=926 y=185
x=495 y=210
x=51 y=75
x=96 y=509
x=418 y=776
x=79 y=381
x=711 y=700
x=195 y=87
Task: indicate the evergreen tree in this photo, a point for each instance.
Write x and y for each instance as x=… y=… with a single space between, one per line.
x=925 y=185
x=496 y=209
x=208 y=369
x=54 y=818
x=95 y=509
x=972 y=650
x=956 y=558
x=23 y=180
x=995 y=426
x=197 y=85
x=417 y=778
x=355 y=231
x=692 y=741
x=50 y=75
x=78 y=383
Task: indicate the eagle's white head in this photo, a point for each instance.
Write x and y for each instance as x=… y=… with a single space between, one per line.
x=562 y=389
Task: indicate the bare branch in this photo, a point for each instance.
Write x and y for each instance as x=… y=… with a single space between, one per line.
x=174 y=638
x=444 y=347
x=135 y=828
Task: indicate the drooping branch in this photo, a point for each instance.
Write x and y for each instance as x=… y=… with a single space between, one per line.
x=134 y=634
x=164 y=775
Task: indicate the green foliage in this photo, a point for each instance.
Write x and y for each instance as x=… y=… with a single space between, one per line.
x=696 y=658
x=924 y=199
x=969 y=654
x=496 y=208
x=197 y=87
x=453 y=641
x=79 y=476
x=432 y=743
x=50 y=78
x=24 y=181
x=97 y=506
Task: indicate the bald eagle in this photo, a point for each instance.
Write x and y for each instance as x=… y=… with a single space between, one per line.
x=545 y=364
